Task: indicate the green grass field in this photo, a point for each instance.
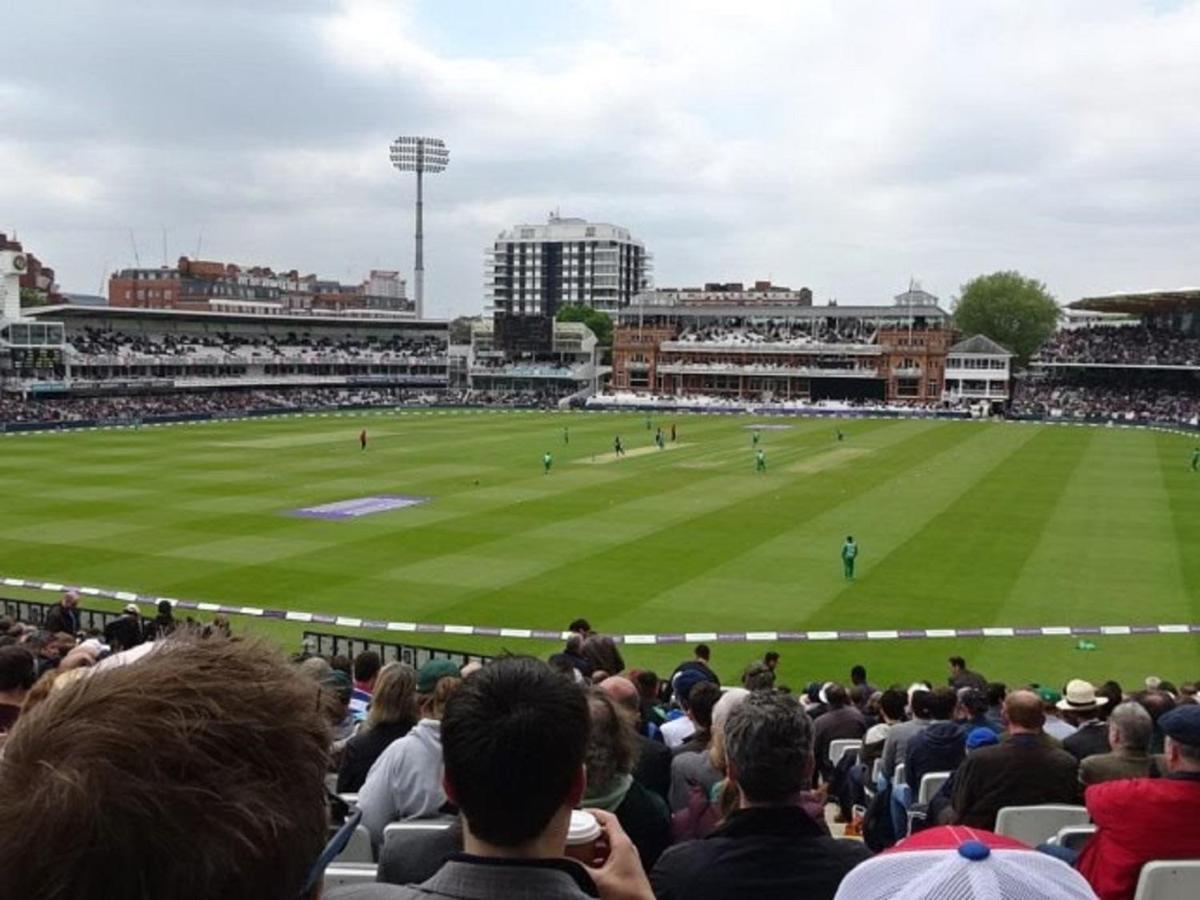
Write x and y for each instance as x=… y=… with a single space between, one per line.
x=960 y=524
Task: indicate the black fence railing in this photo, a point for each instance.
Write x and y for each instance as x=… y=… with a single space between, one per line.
x=33 y=613
x=325 y=643
x=328 y=644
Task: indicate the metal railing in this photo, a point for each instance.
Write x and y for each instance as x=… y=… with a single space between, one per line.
x=32 y=612
x=329 y=644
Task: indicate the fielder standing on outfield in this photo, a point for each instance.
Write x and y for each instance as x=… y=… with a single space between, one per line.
x=566 y=435
x=618 y=450
x=362 y=439
x=547 y=462
x=754 y=438
x=760 y=461
x=1196 y=459
x=849 y=554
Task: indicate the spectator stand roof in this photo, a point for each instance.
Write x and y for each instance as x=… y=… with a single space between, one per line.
x=979 y=345
x=133 y=313
x=1142 y=303
x=893 y=313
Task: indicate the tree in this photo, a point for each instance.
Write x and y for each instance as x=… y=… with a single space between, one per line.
x=34 y=297
x=460 y=329
x=1011 y=309
x=597 y=320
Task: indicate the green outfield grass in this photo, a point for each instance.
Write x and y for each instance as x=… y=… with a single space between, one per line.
x=960 y=524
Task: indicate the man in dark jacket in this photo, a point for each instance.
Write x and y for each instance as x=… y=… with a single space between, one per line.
x=769 y=846
x=842 y=721
x=125 y=631
x=962 y=677
x=1025 y=770
x=941 y=746
x=64 y=618
x=163 y=624
x=652 y=768
x=1081 y=706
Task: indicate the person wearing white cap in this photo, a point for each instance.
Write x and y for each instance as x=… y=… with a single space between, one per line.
x=1081 y=706
x=956 y=863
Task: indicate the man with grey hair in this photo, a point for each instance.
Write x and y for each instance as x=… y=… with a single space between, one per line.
x=768 y=846
x=1140 y=819
x=1129 y=731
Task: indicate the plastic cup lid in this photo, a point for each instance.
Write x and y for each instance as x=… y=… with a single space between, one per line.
x=584 y=828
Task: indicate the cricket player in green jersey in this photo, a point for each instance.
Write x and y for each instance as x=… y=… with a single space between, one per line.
x=1196 y=459
x=566 y=436
x=849 y=554
x=547 y=462
x=760 y=461
x=754 y=438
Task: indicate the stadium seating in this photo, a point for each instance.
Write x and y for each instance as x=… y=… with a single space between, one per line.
x=1169 y=880
x=1073 y=837
x=341 y=874
x=1035 y=825
x=739 y=333
x=931 y=783
x=838 y=748
x=358 y=850
x=1121 y=345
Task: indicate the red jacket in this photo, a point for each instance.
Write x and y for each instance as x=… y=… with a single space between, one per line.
x=1138 y=820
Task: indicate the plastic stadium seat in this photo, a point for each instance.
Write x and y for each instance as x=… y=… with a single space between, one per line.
x=898 y=775
x=1176 y=879
x=1035 y=825
x=1073 y=837
x=351 y=800
x=397 y=830
x=339 y=874
x=358 y=850
x=838 y=747
x=931 y=783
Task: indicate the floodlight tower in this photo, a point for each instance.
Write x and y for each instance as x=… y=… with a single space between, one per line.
x=420 y=155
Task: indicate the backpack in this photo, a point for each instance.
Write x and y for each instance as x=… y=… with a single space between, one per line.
x=878 y=831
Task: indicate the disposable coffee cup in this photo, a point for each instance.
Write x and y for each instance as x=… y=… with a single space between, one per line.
x=583 y=837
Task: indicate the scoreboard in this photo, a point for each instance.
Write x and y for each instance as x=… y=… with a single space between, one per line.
x=35 y=358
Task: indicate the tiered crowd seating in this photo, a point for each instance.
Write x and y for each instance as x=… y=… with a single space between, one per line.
x=1130 y=345
x=417 y=846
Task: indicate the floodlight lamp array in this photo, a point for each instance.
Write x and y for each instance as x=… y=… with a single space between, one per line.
x=419 y=154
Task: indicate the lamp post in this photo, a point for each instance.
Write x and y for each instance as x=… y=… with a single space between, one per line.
x=420 y=155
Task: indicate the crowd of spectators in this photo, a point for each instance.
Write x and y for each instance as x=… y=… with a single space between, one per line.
x=141 y=406
x=728 y=403
x=228 y=346
x=118 y=409
x=786 y=332
x=1129 y=345
x=165 y=758
x=1118 y=400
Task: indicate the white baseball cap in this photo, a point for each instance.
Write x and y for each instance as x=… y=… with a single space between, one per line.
x=956 y=863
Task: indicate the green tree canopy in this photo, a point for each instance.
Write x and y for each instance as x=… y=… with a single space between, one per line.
x=599 y=321
x=34 y=297
x=460 y=329
x=1011 y=309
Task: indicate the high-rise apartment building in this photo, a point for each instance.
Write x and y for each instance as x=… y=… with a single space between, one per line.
x=532 y=270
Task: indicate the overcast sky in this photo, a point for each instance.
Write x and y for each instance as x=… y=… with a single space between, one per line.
x=842 y=145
